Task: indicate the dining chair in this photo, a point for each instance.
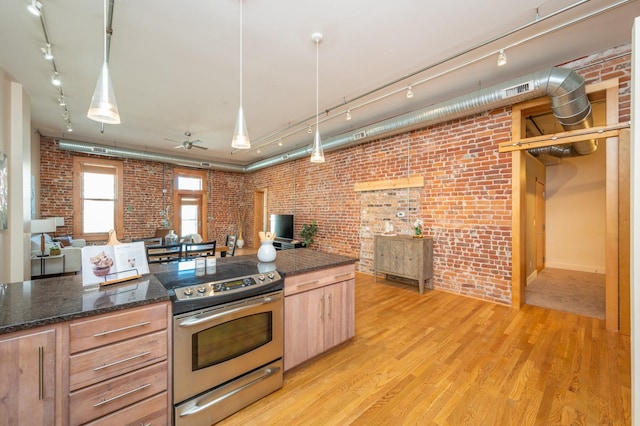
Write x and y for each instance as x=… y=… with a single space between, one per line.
x=163 y=253
x=193 y=250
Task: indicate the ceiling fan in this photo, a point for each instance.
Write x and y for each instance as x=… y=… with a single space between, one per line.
x=188 y=144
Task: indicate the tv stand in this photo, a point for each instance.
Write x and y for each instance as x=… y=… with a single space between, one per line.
x=287 y=244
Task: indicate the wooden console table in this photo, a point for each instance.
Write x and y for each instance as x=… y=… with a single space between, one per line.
x=404 y=256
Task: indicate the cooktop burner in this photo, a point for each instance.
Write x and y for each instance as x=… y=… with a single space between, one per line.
x=194 y=288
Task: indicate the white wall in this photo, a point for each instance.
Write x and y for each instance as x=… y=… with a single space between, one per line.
x=576 y=198
x=15 y=141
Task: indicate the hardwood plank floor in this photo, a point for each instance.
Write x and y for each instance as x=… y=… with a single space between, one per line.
x=444 y=359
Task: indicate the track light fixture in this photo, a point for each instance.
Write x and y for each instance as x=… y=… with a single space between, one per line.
x=35 y=8
x=317 y=154
x=348 y=115
x=240 y=134
x=55 y=79
x=46 y=52
x=69 y=128
x=502 y=58
x=103 y=106
x=61 y=101
x=409 y=92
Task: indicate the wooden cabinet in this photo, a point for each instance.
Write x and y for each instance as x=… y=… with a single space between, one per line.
x=404 y=256
x=118 y=366
x=28 y=367
x=319 y=312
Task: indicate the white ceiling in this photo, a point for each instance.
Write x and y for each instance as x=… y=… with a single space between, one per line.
x=175 y=65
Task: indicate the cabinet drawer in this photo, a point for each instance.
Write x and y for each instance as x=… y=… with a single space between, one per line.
x=110 y=328
x=152 y=412
x=96 y=365
x=309 y=281
x=106 y=397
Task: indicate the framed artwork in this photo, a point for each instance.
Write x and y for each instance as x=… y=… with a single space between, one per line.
x=4 y=191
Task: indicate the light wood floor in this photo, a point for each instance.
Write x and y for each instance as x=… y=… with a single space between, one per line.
x=444 y=359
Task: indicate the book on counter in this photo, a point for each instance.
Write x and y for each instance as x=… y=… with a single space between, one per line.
x=113 y=263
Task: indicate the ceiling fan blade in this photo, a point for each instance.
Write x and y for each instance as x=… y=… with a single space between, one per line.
x=171 y=140
x=178 y=146
x=200 y=147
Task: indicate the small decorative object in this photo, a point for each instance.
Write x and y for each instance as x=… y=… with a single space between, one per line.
x=240 y=215
x=417 y=227
x=388 y=227
x=266 y=252
x=171 y=238
x=308 y=232
x=54 y=251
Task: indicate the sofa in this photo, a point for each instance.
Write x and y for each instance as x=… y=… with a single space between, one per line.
x=70 y=263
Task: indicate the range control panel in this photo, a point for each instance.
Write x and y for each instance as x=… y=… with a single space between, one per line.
x=216 y=288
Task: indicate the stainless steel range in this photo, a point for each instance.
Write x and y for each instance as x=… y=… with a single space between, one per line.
x=227 y=338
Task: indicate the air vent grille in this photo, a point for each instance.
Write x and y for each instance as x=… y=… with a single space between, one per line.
x=98 y=149
x=526 y=87
x=359 y=135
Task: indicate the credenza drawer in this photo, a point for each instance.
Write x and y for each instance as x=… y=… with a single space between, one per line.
x=151 y=412
x=92 y=366
x=110 y=328
x=103 y=398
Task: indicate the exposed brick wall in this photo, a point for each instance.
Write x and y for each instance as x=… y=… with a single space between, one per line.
x=465 y=203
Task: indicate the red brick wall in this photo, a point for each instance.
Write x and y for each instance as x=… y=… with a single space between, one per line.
x=465 y=203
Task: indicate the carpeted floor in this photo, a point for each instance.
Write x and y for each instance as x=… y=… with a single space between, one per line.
x=580 y=293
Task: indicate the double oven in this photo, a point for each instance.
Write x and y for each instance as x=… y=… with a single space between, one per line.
x=227 y=339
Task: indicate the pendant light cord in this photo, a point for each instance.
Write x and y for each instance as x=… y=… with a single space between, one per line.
x=241 y=75
x=105 y=32
x=317 y=92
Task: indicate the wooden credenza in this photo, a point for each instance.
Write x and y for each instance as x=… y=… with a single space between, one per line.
x=404 y=256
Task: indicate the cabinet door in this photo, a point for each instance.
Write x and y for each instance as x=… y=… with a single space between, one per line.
x=303 y=328
x=339 y=315
x=27 y=388
x=386 y=254
x=411 y=261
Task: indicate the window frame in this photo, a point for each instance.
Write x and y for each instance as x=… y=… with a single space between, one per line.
x=179 y=193
x=82 y=165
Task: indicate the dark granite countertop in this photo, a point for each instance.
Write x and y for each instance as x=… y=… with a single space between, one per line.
x=35 y=303
x=29 y=304
x=288 y=262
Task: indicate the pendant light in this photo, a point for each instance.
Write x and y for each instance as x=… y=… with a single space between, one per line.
x=103 y=106
x=317 y=155
x=240 y=135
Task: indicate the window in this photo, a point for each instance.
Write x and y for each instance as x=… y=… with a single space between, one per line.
x=97 y=198
x=190 y=201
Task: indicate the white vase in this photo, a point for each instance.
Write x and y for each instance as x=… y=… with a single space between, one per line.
x=266 y=252
x=240 y=243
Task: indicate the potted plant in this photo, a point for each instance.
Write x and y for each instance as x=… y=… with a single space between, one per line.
x=308 y=232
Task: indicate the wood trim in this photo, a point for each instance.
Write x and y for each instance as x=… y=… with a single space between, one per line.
x=177 y=193
x=518 y=246
x=624 y=226
x=415 y=181
x=612 y=307
x=599 y=132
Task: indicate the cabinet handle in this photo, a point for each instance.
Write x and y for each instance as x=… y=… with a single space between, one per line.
x=121 y=361
x=41 y=373
x=330 y=306
x=322 y=308
x=104 y=333
x=145 y=424
x=308 y=284
x=106 y=401
x=339 y=277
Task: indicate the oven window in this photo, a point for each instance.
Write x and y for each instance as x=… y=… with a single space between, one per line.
x=230 y=339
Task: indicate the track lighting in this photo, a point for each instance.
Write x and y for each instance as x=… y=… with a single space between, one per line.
x=35 y=8
x=309 y=130
x=46 y=51
x=409 y=93
x=69 y=128
x=502 y=58
x=55 y=80
x=348 y=114
x=61 y=101
x=317 y=154
x=279 y=142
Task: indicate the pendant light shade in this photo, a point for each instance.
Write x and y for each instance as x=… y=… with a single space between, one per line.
x=103 y=106
x=240 y=135
x=317 y=155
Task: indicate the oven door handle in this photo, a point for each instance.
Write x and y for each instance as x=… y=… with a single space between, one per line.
x=197 y=319
x=195 y=409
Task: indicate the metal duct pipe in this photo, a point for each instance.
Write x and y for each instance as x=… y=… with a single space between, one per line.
x=110 y=151
x=565 y=87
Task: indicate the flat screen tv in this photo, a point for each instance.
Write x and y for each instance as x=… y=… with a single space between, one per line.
x=282 y=226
